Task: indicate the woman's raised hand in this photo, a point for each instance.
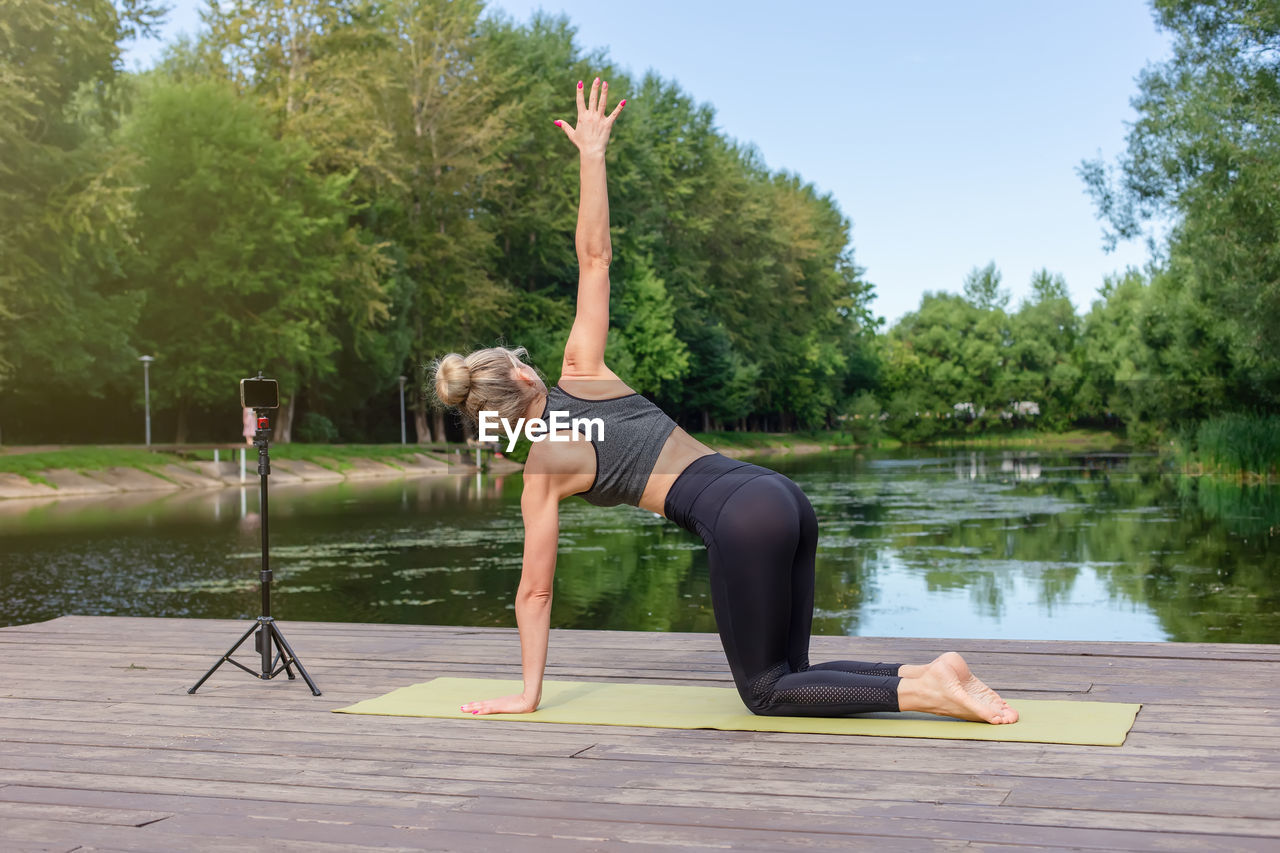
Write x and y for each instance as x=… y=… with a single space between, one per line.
x=592 y=133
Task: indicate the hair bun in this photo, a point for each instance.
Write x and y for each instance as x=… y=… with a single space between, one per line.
x=453 y=379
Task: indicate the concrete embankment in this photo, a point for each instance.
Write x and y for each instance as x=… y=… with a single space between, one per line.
x=62 y=482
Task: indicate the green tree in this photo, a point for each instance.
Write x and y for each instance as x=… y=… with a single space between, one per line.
x=1041 y=363
x=239 y=270
x=445 y=113
x=1204 y=154
x=947 y=352
x=65 y=314
x=982 y=288
x=317 y=69
x=647 y=320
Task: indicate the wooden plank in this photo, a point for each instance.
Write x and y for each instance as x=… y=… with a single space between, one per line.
x=1056 y=675
x=533 y=832
x=78 y=814
x=915 y=820
x=623 y=640
x=758 y=831
x=516 y=737
x=789 y=758
x=223 y=834
x=933 y=787
x=237 y=788
x=586 y=798
x=1174 y=797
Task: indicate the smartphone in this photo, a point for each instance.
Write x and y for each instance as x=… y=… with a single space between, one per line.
x=259 y=393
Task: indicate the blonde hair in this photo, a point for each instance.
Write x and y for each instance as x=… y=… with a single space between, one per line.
x=484 y=381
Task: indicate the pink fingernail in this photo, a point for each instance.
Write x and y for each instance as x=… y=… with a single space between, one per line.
x=557 y=122
x=579 y=84
x=623 y=102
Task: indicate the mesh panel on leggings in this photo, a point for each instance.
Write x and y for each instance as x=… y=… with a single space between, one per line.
x=831 y=690
x=831 y=694
x=763 y=684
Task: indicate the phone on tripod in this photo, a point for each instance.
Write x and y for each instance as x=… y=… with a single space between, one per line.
x=259 y=393
x=262 y=393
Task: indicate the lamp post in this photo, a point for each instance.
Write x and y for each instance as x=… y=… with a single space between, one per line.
x=402 y=435
x=146 y=390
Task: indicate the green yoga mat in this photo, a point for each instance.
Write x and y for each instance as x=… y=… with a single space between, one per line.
x=669 y=707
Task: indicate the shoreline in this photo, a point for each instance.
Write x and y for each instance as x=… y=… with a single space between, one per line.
x=107 y=469
x=168 y=473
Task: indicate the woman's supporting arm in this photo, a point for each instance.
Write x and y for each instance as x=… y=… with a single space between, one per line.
x=540 y=507
x=584 y=352
x=541 y=510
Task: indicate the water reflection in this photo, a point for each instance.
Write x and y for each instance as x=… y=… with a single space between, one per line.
x=964 y=544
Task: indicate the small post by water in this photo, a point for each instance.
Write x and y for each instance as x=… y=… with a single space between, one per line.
x=242 y=464
x=146 y=390
x=215 y=456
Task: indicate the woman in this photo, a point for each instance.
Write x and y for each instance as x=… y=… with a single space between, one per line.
x=759 y=529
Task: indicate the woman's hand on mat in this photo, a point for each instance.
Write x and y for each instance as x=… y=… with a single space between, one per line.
x=518 y=704
x=592 y=132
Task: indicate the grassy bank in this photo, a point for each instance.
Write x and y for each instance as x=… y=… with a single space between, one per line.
x=1092 y=439
x=775 y=440
x=339 y=457
x=81 y=459
x=335 y=457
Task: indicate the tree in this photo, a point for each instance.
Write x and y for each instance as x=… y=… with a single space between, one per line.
x=946 y=352
x=1041 y=364
x=65 y=315
x=982 y=288
x=444 y=114
x=240 y=269
x=317 y=69
x=1204 y=155
x=647 y=320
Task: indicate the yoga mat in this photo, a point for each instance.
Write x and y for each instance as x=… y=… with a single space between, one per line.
x=674 y=707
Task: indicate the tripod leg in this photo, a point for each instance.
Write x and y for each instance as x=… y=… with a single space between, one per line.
x=225 y=657
x=277 y=668
x=284 y=644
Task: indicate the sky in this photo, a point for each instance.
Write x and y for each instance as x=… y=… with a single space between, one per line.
x=948 y=133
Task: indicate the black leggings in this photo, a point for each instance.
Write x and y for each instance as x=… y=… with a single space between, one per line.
x=761 y=535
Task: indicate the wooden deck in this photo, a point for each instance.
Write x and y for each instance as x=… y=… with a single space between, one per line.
x=101 y=747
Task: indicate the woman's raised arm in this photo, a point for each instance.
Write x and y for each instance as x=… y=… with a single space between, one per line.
x=584 y=353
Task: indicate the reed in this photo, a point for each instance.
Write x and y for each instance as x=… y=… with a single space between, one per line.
x=1239 y=444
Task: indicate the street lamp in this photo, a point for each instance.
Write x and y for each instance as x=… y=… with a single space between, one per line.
x=146 y=390
x=402 y=381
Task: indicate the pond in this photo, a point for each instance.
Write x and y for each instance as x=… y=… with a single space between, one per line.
x=948 y=543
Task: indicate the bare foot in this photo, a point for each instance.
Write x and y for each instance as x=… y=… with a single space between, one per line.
x=947 y=687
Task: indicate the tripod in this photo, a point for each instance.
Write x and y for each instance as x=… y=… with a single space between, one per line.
x=265 y=626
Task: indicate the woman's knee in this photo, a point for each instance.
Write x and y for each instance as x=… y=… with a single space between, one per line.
x=758 y=692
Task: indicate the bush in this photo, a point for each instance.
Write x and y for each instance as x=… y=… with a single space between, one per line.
x=912 y=419
x=315 y=428
x=862 y=419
